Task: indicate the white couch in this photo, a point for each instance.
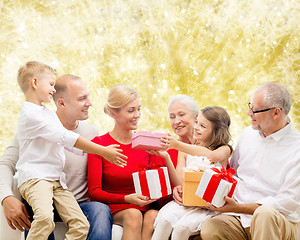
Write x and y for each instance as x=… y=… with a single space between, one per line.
x=6 y=233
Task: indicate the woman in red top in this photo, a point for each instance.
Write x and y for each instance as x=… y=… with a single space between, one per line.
x=114 y=185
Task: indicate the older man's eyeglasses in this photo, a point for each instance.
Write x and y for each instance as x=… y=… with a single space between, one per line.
x=259 y=111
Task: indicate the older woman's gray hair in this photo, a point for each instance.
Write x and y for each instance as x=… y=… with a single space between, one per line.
x=185 y=100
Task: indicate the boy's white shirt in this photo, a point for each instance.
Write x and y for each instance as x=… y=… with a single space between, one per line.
x=42 y=139
x=75 y=167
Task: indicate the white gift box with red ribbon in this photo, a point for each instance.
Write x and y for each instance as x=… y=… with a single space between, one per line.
x=215 y=184
x=153 y=183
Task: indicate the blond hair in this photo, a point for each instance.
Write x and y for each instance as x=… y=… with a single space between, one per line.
x=30 y=70
x=119 y=96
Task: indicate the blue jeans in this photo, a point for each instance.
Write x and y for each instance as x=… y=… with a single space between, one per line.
x=100 y=219
x=99 y=216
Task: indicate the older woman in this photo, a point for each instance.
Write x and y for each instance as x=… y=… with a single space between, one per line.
x=114 y=185
x=183 y=112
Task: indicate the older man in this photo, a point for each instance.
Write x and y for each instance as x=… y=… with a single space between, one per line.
x=72 y=101
x=267 y=160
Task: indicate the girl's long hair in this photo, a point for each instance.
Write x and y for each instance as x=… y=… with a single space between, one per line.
x=220 y=133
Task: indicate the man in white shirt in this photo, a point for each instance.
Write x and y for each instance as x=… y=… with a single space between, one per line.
x=267 y=160
x=72 y=101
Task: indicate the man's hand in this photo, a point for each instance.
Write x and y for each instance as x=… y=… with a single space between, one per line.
x=16 y=214
x=232 y=206
x=177 y=194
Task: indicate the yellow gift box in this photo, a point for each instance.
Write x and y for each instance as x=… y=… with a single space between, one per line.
x=191 y=180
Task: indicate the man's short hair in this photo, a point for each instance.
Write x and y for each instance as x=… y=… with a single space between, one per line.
x=276 y=95
x=30 y=70
x=61 y=85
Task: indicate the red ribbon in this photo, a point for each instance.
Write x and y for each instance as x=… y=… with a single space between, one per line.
x=143 y=183
x=215 y=181
x=142 y=167
x=225 y=174
x=163 y=182
x=143 y=179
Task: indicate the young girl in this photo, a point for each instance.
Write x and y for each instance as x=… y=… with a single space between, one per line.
x=211 y=139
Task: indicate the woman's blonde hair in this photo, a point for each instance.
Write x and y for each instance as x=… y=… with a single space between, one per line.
x=119 y=96
x=220 y=120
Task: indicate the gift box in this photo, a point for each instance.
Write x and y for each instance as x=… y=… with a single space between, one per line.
x=147 y=140
x=215 y=184
x=191 y=181
x=153 y=183
x=191 y=178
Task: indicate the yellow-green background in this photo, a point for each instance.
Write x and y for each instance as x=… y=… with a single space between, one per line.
x=217 y=52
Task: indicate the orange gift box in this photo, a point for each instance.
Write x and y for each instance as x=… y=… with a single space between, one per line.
x=190 y=184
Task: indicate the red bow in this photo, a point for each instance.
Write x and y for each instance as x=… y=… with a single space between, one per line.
x=144 y=167
x=215 y=180
x=225 y=174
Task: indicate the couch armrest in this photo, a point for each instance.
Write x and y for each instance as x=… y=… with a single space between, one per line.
x=117 y=232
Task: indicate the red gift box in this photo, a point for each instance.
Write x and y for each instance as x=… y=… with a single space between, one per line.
x=153 y=183
x=215 y=184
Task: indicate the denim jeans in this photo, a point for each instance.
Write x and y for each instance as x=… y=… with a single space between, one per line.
x=99 y=216
x=100 y=219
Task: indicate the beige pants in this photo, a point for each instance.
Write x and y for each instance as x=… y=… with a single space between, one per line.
x=40 y=195
x=267 y=223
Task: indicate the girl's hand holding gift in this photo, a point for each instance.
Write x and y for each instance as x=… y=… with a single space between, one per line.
x=169 y=142
x=177 y=194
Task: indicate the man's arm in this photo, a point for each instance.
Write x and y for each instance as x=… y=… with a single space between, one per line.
x=14 y=210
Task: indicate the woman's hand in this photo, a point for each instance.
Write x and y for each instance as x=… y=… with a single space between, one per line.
x=160 y=153
x=169 y=142
x=177 y=194
x=138 y=199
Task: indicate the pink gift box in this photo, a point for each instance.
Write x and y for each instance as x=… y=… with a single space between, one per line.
x=147 y=140
x=153 y=183
x=215 y=184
